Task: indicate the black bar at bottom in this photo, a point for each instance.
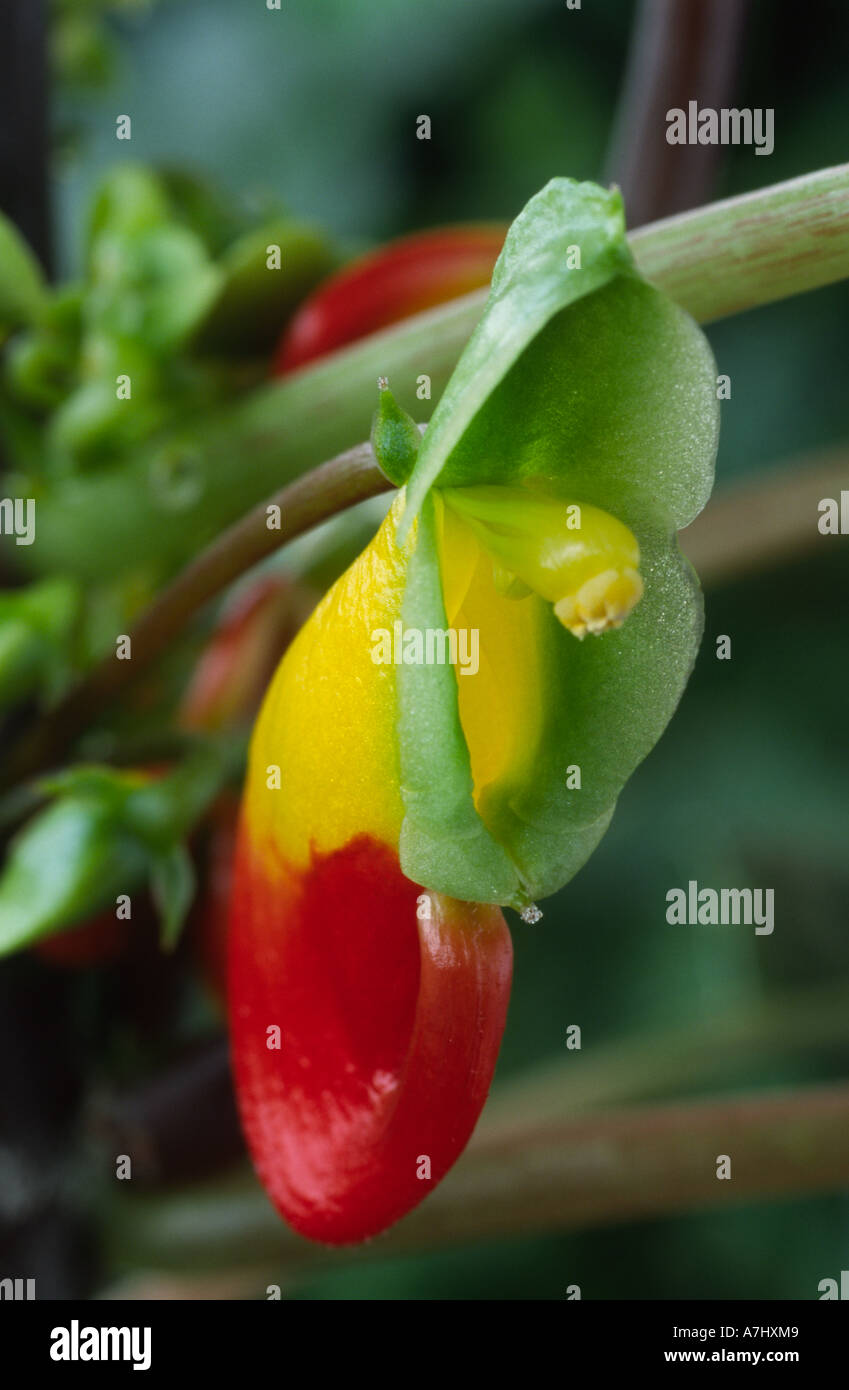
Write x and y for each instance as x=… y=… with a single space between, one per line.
x=269 y=1337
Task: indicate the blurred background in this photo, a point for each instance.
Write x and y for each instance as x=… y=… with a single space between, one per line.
x=315 y=107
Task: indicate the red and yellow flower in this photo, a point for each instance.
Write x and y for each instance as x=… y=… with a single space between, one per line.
x=393 y=806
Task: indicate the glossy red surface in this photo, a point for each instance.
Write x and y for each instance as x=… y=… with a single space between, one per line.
x=389 y=1032
x=400 y=279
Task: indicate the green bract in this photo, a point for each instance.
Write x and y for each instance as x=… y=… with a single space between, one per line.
x=584 y=383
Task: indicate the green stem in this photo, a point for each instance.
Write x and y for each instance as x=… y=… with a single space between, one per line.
x=341 y=482
x=743 y=529
x=228 y=1223
x=765 y=520
x=751 y=250
x=718 y=260
x=544 y=1175
x=679 y=1061
x=245 y=453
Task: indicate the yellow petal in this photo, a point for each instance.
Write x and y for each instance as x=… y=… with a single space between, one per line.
x=328 y=721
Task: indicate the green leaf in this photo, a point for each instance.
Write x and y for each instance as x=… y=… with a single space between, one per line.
x=153 y=286
x=535 y=278
x=204 y=207
x=613 y=403
x=22 y=287
x=67 y=864
x=129 y=200
x=105 y=785
x=37 y=631
x=162 y=810
x=173 y=887
x=106 y=833
x=587 y=385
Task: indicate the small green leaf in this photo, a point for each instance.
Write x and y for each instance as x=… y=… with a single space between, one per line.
x=536 y=277
x=41 y=365
x=129 y=200
x=67 y=864
x=203 y=206
x=172 y=883
x=395 y=438
x=153 y=286
x=22 y=287
x=105 y=785
x=162 y=810
x=106 y=833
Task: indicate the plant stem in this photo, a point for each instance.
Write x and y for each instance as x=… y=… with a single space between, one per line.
x=768 y=520
x=755 y=249
x=645 y=1161
x=546 y=1176
x=743 y=529
x=183 y=1124
x=717 y=260
x=341 y=482
x=718 y=1053
x=680 y=50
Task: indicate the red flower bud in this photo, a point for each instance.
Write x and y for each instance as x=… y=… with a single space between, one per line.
x=366 y=1018
x=392 y=283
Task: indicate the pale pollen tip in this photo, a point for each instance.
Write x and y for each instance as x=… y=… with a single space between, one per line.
x=531 y=914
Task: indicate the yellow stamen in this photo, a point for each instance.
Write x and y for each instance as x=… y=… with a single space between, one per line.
x=581 y=559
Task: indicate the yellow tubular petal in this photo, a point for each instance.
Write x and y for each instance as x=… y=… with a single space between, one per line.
x=329 y=718
x=504 y=553
x=501 y=705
